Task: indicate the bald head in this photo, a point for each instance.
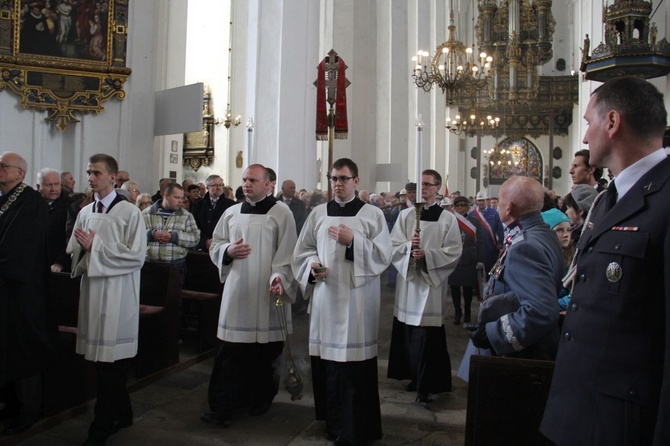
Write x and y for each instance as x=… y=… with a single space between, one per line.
x=519 y=196
x=12 y=171
x=288 y=189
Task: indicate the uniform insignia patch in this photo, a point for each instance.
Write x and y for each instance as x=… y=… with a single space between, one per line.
x=614 y=272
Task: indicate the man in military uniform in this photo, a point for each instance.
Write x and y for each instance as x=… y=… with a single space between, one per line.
x=530 y=267
x=611 y=384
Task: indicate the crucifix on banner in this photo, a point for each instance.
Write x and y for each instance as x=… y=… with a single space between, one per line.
x=331 y=89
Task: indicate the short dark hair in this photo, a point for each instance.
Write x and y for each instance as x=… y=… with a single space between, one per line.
x=639 y=102
x=171 y=187
x=346 y=162
x=584 y=153
x=272 y=175
x=461 y=199
x=193 y=187
x=239 y=194
x=110 y=163
x=434 y=174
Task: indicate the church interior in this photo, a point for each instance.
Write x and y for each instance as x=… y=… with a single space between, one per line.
x=478 y=90
x=257 y=63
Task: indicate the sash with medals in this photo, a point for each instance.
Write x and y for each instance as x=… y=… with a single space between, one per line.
x=466 y=226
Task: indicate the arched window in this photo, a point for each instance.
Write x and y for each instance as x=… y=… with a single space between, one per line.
x=514 y=156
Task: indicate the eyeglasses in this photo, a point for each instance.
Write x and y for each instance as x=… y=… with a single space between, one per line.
x=4 y=166
x=429 y=184
x=145 y=203
x=135 y=190
x=460 y=205
x=216 y=185
x=342 y=179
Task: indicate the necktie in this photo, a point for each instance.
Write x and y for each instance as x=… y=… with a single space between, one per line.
x=611 y=196
x=100 y=207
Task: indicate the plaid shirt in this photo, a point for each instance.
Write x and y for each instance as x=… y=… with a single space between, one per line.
x=185 y=233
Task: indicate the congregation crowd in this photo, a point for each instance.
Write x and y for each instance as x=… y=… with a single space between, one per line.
x=530 y=257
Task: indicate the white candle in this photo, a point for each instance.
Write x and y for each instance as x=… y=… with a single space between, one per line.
x=419 y=157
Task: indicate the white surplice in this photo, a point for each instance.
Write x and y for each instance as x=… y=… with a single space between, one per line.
x=420 y=295
x=248 y=313
x=109 y=299
x=344 y=322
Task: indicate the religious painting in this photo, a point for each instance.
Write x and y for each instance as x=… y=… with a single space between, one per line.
x=512 y=157
x=64 y=56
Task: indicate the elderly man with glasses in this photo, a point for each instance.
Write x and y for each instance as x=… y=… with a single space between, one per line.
x=25 y=346
x=209 y=210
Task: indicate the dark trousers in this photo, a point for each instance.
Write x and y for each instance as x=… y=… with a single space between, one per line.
x=467 y=299
x=243 y=374
x=420 y=354
x=29 y=395
x=346 y=396
x=112 y=407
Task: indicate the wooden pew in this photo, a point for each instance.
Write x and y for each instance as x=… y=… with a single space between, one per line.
x=506 y=399
x=159 y=318
x=201 y=300
x=71 y=380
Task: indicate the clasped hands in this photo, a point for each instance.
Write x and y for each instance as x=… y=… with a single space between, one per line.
x=84 y=238
x=162 y=237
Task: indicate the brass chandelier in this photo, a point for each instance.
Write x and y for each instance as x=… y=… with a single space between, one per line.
x=453 y=68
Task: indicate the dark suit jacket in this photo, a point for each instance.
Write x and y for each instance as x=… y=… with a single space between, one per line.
x=26 y=337
x=611 y=385
x=206 y=217
x=297 y=207
x=56 y=235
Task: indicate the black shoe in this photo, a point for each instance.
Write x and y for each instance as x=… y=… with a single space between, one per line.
x=342 y=442
x=330 y=436
x=466 y=319
x=91 y=441
x=411 y=387
x=421 y=398
x=457 y=319
x=216 y=418
x=259 y=409
x=121 y=424
x=470 y=327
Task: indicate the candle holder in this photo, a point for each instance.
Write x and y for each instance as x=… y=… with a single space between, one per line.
x=417 y=264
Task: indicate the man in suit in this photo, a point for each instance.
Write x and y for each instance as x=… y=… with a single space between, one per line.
x=209 y=210
x=297 y=206
x=49 y=186
x=611 y=384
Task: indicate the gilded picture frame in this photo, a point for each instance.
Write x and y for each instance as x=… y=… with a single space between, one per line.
x=64 y=56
